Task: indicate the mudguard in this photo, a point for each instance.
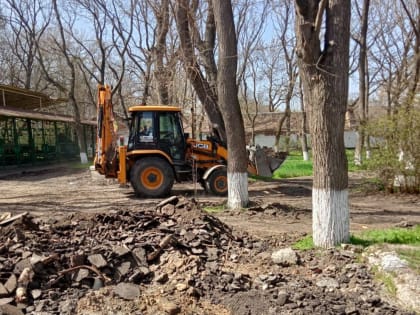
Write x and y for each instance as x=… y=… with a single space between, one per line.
x=211 y=169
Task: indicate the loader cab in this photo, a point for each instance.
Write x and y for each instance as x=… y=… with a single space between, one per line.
x=157 y=128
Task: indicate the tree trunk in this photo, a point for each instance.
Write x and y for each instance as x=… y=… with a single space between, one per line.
x=71 y=88
x=324 y=75
x=279 y=128
x=162 y=74
x=78 y=125
x=304 y=143
x=229 y=105
x=363 y=93
x=147 y=81
x=201 y=86
x=358 y=150
x=82 y=143
x=303 y=137
x=207 y=48
x=368 y=148
x=415 y=24
x=288 y=132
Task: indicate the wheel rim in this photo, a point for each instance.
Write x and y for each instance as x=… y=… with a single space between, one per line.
x=220 y=183
x=152 y=178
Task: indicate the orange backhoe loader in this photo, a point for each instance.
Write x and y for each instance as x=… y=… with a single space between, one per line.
x=158 y=152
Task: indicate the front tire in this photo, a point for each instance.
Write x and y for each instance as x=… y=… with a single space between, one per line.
x=217 y=182
x=152 y=177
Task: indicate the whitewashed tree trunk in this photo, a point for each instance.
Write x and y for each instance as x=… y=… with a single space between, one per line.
x=237 y=190
x=368 y=150
x=330 y=213
x=79 y=133
x=358 y=157
x=305 y=155
x=229 y=105
x=323 y=65
x=83 y=158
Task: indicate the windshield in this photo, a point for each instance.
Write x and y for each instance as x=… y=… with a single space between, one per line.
x=141 y=129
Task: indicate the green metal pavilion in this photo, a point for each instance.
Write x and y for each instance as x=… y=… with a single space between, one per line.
x=31 y=134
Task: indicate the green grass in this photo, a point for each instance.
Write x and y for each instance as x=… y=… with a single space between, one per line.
x=391 y=236
x=410 y=236
x=214 y=209
x=387 y=280
x=305 y=243
x=295 y=166
x=350 y=162
x=79 y=166
x=412 y=256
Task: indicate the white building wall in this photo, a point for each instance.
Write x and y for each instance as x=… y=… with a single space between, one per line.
x=350 y=140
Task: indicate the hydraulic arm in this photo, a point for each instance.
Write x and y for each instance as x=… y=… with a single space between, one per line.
x=105 y=158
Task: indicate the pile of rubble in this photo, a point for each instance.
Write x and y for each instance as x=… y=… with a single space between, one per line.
x=176 y=249
x=40 y=262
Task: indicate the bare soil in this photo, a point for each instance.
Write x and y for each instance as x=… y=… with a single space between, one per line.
x=60 y=191
x=280 y=214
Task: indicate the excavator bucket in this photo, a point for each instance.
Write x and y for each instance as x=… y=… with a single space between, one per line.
x=266 y=161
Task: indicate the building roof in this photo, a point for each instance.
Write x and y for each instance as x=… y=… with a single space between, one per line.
x=15 y=97
x=24 y=103
x=15 y=112
x=267 y=122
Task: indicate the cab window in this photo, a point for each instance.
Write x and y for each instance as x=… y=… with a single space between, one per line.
x=145 y=127
x=169 y=127
x=171 y=138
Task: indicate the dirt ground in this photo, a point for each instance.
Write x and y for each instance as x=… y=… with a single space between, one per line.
x=280 y=213
x=58 y=191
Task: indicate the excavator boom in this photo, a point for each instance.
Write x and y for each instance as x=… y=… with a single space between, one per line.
x=105 y=157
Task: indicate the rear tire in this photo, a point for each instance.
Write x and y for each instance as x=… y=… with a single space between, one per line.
x=152 y=177
x=217 y=182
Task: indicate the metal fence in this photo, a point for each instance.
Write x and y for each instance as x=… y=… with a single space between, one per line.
x=33 y=141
